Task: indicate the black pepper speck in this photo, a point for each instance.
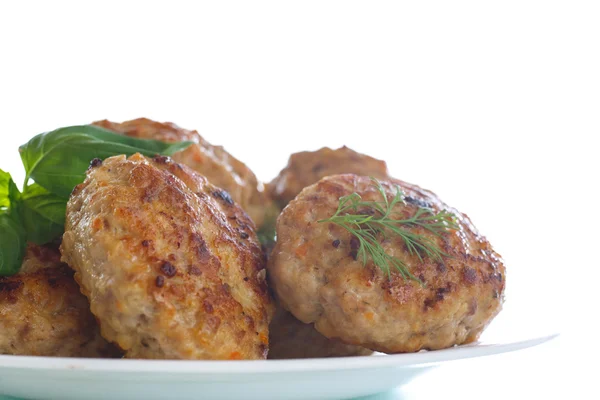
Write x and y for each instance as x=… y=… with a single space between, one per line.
x=160 y=159
x=417 y=202
x=168 y=269
x=96 y=162
x=223 y=195
x=194 y=270
x=469 y=275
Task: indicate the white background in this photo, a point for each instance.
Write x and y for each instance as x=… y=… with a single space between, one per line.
x=492 y=105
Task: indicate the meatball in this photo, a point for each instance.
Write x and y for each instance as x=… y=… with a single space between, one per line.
x=308 y=167
x=171 y=265
x=316 y=274
x=220 y=167
x=290 y=338
x=43 y=313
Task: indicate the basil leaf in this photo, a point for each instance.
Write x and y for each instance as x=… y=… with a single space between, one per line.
x=13 y=241
x=8 y=190
x=43 y=214
x=4 y=179
x=58 y=160
x=13 y=238
x=267 y=233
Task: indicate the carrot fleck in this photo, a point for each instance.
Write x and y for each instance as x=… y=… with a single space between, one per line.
x=264 y=339
x=301 y=250
x=97 y=224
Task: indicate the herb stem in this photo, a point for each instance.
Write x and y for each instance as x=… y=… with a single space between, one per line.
x=367 y=227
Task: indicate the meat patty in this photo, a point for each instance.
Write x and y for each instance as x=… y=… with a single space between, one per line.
x=316 y=275
x=171 y=265
x=220 y=167
x=307 y=167
x=43 y=313
x=290 y=338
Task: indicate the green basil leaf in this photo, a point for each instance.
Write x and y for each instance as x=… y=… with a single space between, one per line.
x=8 y=190
x=13 y=238
x=13 y=241
x=4 y=179
x=267 y=233
x=58 y=160
x=43 y=214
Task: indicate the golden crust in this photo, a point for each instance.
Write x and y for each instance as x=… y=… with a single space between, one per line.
x=43 y=313
x=290 y=338
x=308 y=167
x=323 y=284
x=214 y=162
x=171 y=265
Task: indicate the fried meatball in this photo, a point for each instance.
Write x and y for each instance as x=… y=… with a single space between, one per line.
x=171 y=265
x=307 y=167
x=220 y=167
x=290 y=338
x=43 y=313
x=316 y=274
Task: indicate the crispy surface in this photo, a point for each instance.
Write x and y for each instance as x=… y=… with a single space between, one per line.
x=171 y=265
x=307 y=167
x=323 y=284
x=290 y=338
x=220 y=167
x=43 y=313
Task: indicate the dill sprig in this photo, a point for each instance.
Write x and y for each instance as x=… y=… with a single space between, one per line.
x=369 y=220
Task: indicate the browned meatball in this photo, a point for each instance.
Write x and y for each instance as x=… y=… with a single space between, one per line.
x=220 y=167
x=43 y=313
x=290 y=338
x=307 y=167
x=171 y=265
x=316 y=275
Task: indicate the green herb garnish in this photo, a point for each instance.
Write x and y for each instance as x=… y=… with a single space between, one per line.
x=42 y=214
x=267 y=233
x=57 y=162
x=13 y=237
x=368 y=221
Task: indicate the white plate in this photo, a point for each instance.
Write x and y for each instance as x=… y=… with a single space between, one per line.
x=324 y=378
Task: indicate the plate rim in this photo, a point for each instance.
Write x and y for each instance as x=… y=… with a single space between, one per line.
x=243 y=367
